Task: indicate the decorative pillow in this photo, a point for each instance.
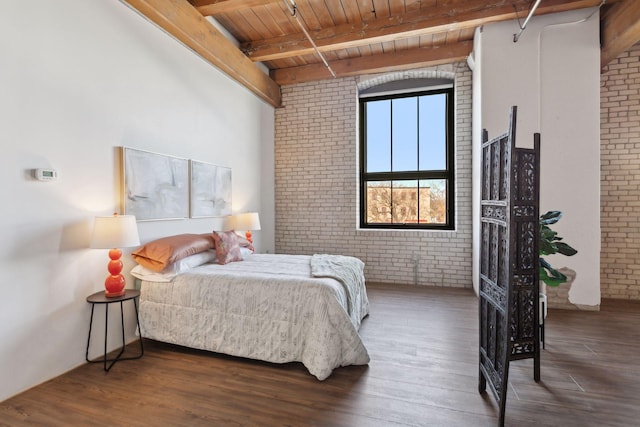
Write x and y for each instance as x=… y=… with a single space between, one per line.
x=244 y=245
x=172 y=270
x=227 y=246
x=158 y=254
x=243 y=242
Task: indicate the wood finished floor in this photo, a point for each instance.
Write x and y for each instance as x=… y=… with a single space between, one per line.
x=423 y=372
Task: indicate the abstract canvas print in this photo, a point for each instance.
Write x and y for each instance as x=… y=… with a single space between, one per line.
x=155 y=186
x=210 y=190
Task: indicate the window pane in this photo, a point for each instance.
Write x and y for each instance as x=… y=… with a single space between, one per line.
x=405 y=202
x=379 y=202
x=378 y=116
x=433 y=132
x=404 y=179
x=433 y=201
x=405 y=134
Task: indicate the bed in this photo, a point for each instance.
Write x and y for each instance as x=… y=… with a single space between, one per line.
x=275 y=308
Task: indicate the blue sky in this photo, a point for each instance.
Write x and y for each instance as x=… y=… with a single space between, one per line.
x=417 y=126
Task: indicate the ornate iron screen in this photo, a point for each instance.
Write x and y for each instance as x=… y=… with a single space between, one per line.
x=509 y=298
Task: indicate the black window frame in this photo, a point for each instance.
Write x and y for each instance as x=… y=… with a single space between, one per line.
x=448 y=174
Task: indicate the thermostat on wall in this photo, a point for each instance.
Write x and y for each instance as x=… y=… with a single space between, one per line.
x=46 y=174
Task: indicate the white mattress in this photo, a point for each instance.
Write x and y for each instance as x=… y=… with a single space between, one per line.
x=267 y=307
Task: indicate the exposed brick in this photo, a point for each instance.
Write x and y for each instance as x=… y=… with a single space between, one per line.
x=620 y=177
x=316 y=172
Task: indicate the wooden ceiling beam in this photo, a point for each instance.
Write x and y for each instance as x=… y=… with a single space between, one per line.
x=620 y=29
x=386 y=62
x=216 y=7
x=182 y=21
x=440 y=19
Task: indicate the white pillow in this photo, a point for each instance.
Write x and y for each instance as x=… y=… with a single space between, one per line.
x=172 y=270
x=245 y=252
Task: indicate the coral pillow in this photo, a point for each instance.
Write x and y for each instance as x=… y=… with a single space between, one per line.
x=160 y=253
x=172 y=270
x=227 y=247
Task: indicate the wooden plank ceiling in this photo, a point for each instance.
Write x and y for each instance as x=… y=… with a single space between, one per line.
x=354 y=36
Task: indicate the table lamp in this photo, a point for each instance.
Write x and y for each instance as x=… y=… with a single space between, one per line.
x=114 y=232
x=248 y=222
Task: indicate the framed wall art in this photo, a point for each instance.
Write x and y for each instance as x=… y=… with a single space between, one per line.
x=155 y=186
x=210 y=190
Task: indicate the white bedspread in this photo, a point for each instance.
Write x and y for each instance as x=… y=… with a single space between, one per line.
x=267 y=307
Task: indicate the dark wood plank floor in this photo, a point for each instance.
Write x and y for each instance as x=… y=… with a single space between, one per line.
x=423 y=372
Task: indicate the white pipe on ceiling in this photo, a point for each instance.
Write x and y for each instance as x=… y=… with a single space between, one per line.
x=526 y=21
x=293 y=9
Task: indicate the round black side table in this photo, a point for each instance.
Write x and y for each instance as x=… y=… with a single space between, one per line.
x=100 y=298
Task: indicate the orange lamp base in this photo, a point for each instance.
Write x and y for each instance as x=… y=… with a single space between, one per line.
x=115 y=283
x=249 y=237
x=117 y=294
x=114 y=286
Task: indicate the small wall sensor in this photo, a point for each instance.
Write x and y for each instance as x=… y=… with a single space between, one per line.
x=45 y=174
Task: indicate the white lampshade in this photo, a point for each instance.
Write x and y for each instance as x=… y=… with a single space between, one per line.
x=246 y=221
x=117 y=231
x=228 y=223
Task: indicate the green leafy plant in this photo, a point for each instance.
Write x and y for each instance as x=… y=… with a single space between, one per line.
x=551 y=243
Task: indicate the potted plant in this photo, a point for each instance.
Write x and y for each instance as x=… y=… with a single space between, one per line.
x=551 y=243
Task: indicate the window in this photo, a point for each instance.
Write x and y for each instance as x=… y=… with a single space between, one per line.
x=406 y=160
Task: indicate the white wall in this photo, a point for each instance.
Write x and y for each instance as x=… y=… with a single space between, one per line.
x=78 y=79
x=476 y=152
x=553 y=75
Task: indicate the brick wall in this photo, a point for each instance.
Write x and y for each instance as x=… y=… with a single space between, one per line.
x=316 y=172
x=620 y=177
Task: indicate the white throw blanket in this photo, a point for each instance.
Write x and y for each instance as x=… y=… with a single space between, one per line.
x=348 y=271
